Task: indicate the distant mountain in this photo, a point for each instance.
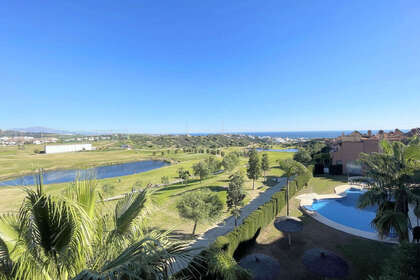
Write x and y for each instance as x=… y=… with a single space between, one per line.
x=40 y=129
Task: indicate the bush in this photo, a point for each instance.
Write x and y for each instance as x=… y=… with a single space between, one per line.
x=108 y=189
x=303 y=157
x=164 y=180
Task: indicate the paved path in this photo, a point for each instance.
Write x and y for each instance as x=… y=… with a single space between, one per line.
x=227 y=225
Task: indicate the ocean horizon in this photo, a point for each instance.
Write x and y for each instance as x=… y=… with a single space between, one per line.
x=297 y=134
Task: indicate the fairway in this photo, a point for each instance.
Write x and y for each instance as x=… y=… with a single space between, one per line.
x=164 y=214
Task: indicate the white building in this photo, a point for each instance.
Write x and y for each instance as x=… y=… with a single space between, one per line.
x=53 y=149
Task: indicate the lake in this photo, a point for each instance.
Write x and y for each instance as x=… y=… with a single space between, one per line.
x=290 y=150
x=100 y=172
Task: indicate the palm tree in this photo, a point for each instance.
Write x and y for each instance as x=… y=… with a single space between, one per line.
x=291 y=168
x=64 y=237
x=392 y=185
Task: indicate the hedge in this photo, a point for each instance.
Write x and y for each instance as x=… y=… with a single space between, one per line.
x=259 y=218
x=247 y=231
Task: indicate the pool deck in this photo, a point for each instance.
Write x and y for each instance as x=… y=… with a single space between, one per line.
x=308 y=198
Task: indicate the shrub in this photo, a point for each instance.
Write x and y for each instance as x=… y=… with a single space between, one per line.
x=303 y=157
x=164 y=180
x=108 y=189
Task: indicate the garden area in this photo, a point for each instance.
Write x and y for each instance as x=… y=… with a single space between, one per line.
x=365 y=257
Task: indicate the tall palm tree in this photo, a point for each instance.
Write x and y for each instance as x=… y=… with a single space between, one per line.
x=65 y=237
x=392 y=185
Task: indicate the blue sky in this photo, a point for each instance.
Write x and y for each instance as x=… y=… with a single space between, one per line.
x=207 y=66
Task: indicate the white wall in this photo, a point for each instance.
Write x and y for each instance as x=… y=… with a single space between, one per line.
x=53 y=149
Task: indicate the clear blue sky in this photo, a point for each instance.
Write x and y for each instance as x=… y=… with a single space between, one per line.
x=167 y=66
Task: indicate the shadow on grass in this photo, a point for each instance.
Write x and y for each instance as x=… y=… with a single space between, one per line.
x=177 y=186
x=244 y=246
x=270 y=180
x=177 y=234
x=365 y=257
x=340 y=178
x=211 y=188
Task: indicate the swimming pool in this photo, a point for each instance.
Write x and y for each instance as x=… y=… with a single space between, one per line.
x=345 y=211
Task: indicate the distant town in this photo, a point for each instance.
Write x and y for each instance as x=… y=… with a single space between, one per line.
x=21 y=140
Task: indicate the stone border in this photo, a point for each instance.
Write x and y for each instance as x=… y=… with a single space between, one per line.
x=308 y=199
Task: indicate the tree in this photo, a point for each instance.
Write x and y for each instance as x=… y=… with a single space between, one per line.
x=291 y=168
x=183 y=174
x=65 y=236
x=302 y=156
x=254 y=167
x=201 y=169
x=213 y=164
x=164 y=180
x=230 y=161
x=265 y=165
x=235 y=194
x=199 y=206
x=392 y=187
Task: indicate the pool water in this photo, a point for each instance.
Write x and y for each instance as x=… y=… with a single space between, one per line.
x=345 y=211
x=100 y=172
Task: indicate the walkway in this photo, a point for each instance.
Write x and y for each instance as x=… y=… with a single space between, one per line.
x=227 y=225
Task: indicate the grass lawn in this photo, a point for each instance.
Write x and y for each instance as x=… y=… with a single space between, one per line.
x=365 y=257
x=164 y=214
x=15 y=162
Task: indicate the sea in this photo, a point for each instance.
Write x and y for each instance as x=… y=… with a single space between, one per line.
x=296 y=134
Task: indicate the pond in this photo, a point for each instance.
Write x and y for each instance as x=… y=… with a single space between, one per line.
x=289 y=150
x=100 y=172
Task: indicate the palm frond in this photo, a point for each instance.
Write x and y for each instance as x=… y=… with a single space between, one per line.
x=53 y=231
x=128 y=209
x=386 y=147
x=84 y=193
x=9 y=229
x=372 y=197
x=147 y=259
x=389 y=220
x=6 y=264
x=412 y=152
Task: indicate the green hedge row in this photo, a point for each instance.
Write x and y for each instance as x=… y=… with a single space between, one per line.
x=207 y=265
x=259 y=218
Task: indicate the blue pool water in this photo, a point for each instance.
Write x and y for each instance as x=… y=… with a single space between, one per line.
x=344 y=211
x=291 y=150
x=100 y=172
